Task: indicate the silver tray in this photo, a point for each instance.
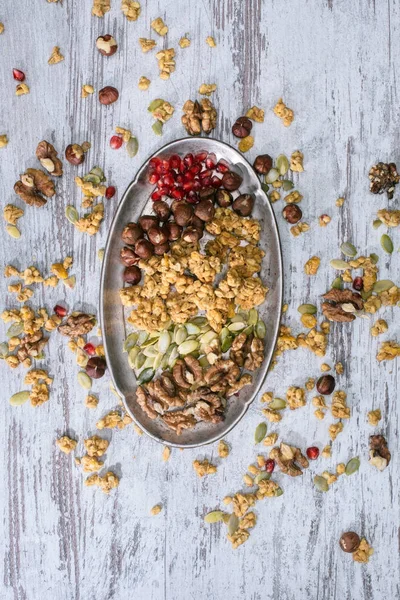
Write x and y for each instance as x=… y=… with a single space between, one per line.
x=136 y=201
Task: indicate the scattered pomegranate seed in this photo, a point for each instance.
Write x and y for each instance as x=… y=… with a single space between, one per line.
x=358 y=283
x=116 y=142
x=60 y=311
x=89 y=349
x=18 y=75
x=312 y=452
x=110 y=192
x=269 y=465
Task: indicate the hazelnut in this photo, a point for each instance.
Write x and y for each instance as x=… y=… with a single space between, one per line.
x=144 y=248
x=223 y=198
x=106 y=45
x=242 y=127
x=128 y=257
x=158 y=235
x=205 y=210
x=326 y=385
x=147 y=221
x=207 y=193
x=243 y=205
x=131 y=233
x=108 y=95
x=231 y=181
x=196 y=222
x=349 y=541
x=132 y=275
x=192 y=234
x=74 y=154
x=183 y=212
x=96 y=367
x=161 y=249
x=175 y=231
x=292 y=213
x=263 y=164
x=162 y=210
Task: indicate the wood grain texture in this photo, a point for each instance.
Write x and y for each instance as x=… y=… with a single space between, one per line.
x=335 y=64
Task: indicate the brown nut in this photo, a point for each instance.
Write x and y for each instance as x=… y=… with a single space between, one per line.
x=192 y=234
x=349 y=541
x=74 y=154
x=161 y=249
x=128 y=257
x=96 y=367
x=144 y=248
x=207 y=193
x=196 y=222
x=108 y=95
x=292 y=213
x=242 y=127
x=147 y=221
x=175 y=231
x=243 y=205
x=183 y=212
x=131 y=233
x=132 y=275
x=231 y=181
x=162 y=210
x=326 y=385
x=205 y=210
x=223 y=198
x=158 y=235
x=106 y=45
x=263 y=164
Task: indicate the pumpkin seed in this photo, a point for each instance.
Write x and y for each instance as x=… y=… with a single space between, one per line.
x=150 y=351
x=236 y=326
x=321 y=483
x=239 y=317
x=287 y=185
x=149 y=342
x=260 y=432
x=248 y=330
x=233 y=524
x=348 y=249
x=307 y=309
x=100 y=254
x=157 y=127
x=348 y=307
x=253 y=317
x=382 y=285
x=158 y=360
x=340 y=265
x=91 y=178
x=376 y=223
x=282 y=164
x=180 y=334
x=145 y=376
x=214 y=516
x=265 y=187
x=271 y=176
x=155 y=104
x=365 y=295
x=163 y=342
x=260 y=330
x=337 y=284
x=226 y=517
x=227 y=343
x=149 y=362
x=133 y=352
x=261 y=477
x=173 y=357
x=374 y=257
x=130 y=341
x=143 y=335
x=19 y=398
x=3 y=350
x=98 y=172
x=208 y=337
x=278 y=492
x=132 y=146
x=15 y=329
x=352 y=466
x=224 y=334
x=387 y=244
x=200 y=321
x=84 y=380
x=13 y=231
x=277 y=404
x=72 y=214
x=203 y=361
x=139 y=361
x=192 y=329
x=187 y=347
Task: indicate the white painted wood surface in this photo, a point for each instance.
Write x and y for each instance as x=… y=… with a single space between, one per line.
x=336 y=65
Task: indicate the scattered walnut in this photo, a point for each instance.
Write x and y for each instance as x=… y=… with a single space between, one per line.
x=56 y=56
x=34 y=187
x=87 y=90
x=296 y=162
x=47 y=155
x=147 y=44
x=66 y=444
x=105 y=483
x=223 y=449
x=287 y=457
x=100 y=7
x=324 y=220
x=336 y=299
x=22 y=89
x=284 y=113
x=312 y=265
x=144 y=83
x=130 y=9
x=206 y=89
x=211 y=42
x=374 y=416
x=12 y=213
x=363 y=552
x=77 y=324
x=204 y=467
x=379 y=327
x=159 y=26
x=184 y=42
x=388 y=351
x=310 y=384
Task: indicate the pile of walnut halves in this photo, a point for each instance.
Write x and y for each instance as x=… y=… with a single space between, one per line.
x=199 y=116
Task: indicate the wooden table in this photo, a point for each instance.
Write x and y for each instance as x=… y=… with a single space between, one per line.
x=335 y=64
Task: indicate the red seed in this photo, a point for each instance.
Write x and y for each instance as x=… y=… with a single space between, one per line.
x=153 y=178
x=89 y=349
x=211 y=161
x=192 y=198
x=216 y=182
x=222 y=166
x=206 y=181
x=155 y=161
x=116 y=142
x=201 y=156
x=110 y=192
x=178 y=194
x=175 y=161
x=358 y=283
x=205 y=174
x=312 y=452
x=156 y=195
x=168 y=179
x=188 y=160
x=269 y=465
x=60 y=311
x=18 y=75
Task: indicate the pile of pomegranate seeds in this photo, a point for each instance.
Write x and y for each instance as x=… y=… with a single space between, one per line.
x=182 y=178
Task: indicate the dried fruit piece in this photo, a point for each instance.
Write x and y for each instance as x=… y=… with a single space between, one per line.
x=18 y=75
x=312 y=452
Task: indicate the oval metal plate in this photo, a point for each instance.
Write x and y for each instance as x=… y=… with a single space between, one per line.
x=136 y=201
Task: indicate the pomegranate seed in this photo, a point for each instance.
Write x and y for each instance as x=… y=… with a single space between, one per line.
x=201 y=156
x=358 y=283
x=222 y=166
x=195 y=169
x=192 y=198
x=59 y=310
x=89 y=349
x=206 y=182
x=153 y=178
x=18 y=75
x=159 y=169
x=156 y=195
x=168 y=179
x=206 y=173
x=188 y=176
x=116 y=142
x=165 y=191
x=211 y=161
x=175 y=161
x=269 y=465
x=312 y=452
x=197 y=185
x=110 y=192
x=165 y=164
x=188 y=186
x=182 y=167
x=178 y=194
x=188 y=160
x=155 y=161
x=179 y=178
x=216 y=181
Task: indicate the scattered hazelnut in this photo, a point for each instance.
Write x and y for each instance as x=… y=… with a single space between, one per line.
x=207 y=193
x=128 y=257
x=108 y=95
x=192 y=234
x=147 y=221
x=106 y=45
x=231 y=181
x=74 y=154
x=349 y=541
x=96 y=367
x=243 y=205
x=131 y=233
x=326 y=385
x=132 y=275
x=162 y=210
x=292 y=213
x=263 y=164
x=144 y=248
x=183 y=212
x=242 y=127
x=161 y=249
x=205 y=210
x=174 y=231
x=158 y=235
x=224 y=198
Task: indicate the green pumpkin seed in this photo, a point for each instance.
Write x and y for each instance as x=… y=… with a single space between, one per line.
x=387 y=244
x=287 y=185
x=133 y=353
x=180 y=334
x=100 y=254
x=149 y=362
x=155 y=104
x=157 y=127
x=321 y=483
x=84 y=380
x=208 y=337
x=158 y=361
x=248 y=330
x=139 y=361
x=163 y=342
x=278 y=492
x=98 y=172
x=187 y=347
x=173 y=357
x=149 y=342
x=234 y=327
x=307 y=309
x=13 y=231
x=203 y=361
x=19 y=398
x=352 y=466
x=282 y=164
x=382 y=285
x=277 y=404
x=15 y=329
x=72 y=214
x=337 y=284
x=132 y=146
x=145 y=376
x=271 y=176
x=348 y=249
x=239 y=318
x=199 y=321
x=143 y=335
x=365 y=295
x=225 y=518
x=265 y=187
x=253 y=317
x=130 y=341
x=261 y=477
x=3 y=350
x=214 y=516
x=340 y=265
x=260 y=330
x=233 y=524
x=224 y=334
x=376 y=223
x=192 y=329
x=374 y=258
x=227 y=343
x=260 y=432
x=150 y=351
x=92 y=178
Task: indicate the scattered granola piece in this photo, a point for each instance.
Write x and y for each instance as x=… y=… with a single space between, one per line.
x=1 y=28
x=284 y=113
x=294 y=197
x=206 y=89
x=91 y=401
x=296 y=162
x=105 y=483
x=270 y=439
x=256 y=114
x=273 y=416
x=374 y=416
x=166 y=62
x=156 y=509
x=339 y=408
x=310 y=384
x=339 y=368
x=12 y=213
x=159 y=26
x=91 y=464
x=91 y=222
x=144 y=83
x=223 y=449
x=87 y=90
x=211 y=42
x=312 y=265
x=391 y=218
x=239 y=537
x=246 y=143
x=96 y=446
x=340 y=468
x=21 y=89
x=39 y=394
x=324 y=220
x=295 y=397
x=184 y=42
x=298 y=229
x=249 y=481
x=137 y=429
x=147 y=44
x=363 y=552
x=308 y=321
x=379 y=327
x=339 y=202
x=335 y=429
x=319 y=414
x=3 y=141
x=56 y=56
x=326 y=452
x=113 y=419
x=384 y=177
x=325 y=367
x=100 y=7
x=130 y=9
x=388 y=351
x=204 y=467
x=66 y=444
x=166 y=453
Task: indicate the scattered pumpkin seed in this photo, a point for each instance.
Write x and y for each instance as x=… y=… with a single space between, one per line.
x=149 y=342
x=271 y=176
x=365 y=295
x=145 y=376
x=72 y=214
x=155 y=104
x=261 y=476
x=307 y=309
x=157 y=127
x=214 y=516
x=151 y=351
x=277 y=404
x=100 y=254
x=132 y=146
x=352 y=466
x=187 y=347
x=158 y=361
x=260 y=330
x=382 y=285
x=337 y=284
x=13 y=231
x=282 y=164
x=340 y=265
x=208 y=337
x=374 y=257
x=98 y=172
x=348 y=249
x=149 y=362
x=180 y=334
x=278 y=492
x=15 y=329
x=387 y=244
x=287 y=185
x=84 y=380
x=233 y=524
x=376 y=223
x=19 y=398
x=203 y=361
x=3 y=350
x=321 y=483
x=260 y=432
x=265 y=187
